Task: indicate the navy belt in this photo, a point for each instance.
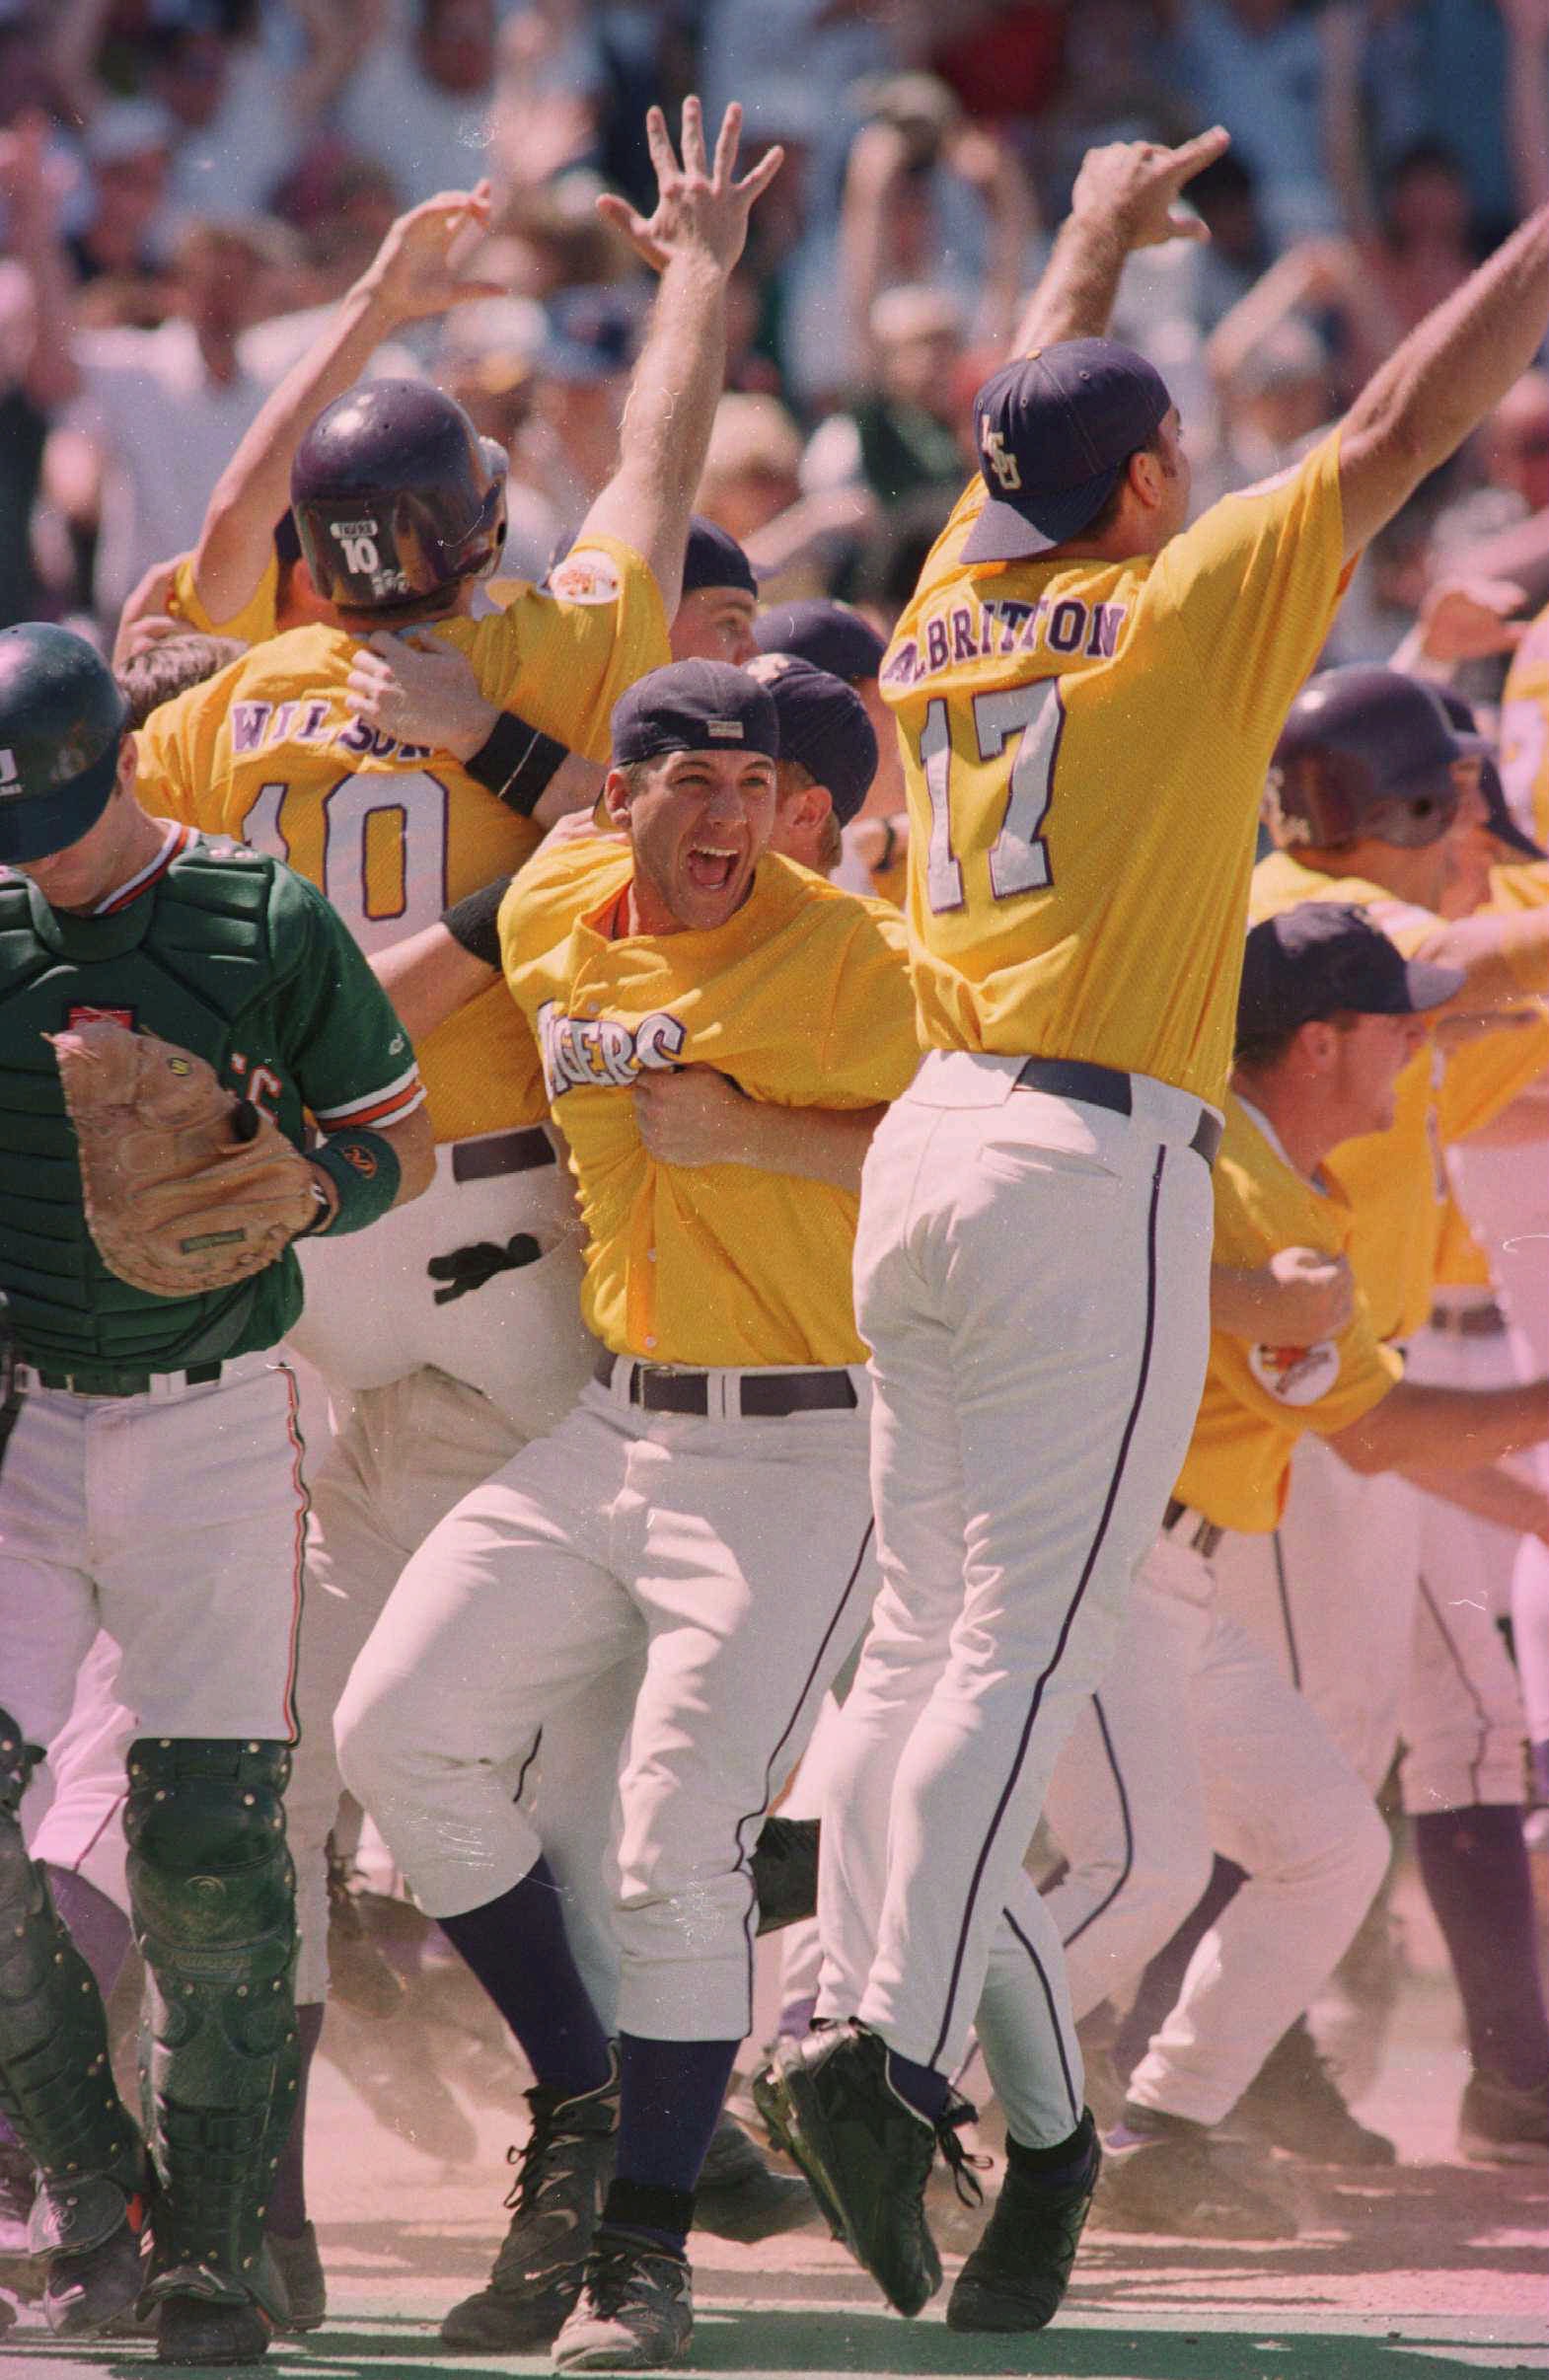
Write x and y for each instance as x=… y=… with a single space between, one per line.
x=1470 y=1321
x=501 y=1152
x=110 y=1384
x=751 y=1396
x=1105 y=1086
x=1205 y=1536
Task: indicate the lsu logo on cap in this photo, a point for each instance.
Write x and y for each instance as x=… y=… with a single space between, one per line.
x=1006 y=467
x=1295 y=1375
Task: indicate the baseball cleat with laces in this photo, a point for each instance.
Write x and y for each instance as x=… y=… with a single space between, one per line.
x=563 y=2172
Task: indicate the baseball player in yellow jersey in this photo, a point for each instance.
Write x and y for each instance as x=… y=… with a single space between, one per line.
x=275 y=751
x=1524 y=731
x=658 y=1517
x=1088 y=692
x=1369 y=802
x=1328 y=1016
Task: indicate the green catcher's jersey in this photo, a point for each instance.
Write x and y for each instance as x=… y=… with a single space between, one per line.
x=221 y=950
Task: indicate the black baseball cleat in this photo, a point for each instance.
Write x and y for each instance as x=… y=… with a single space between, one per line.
x=563 y=2172
x=208 y=2330
x=1163 y=2173
x=95 y=2269
x=300 y=2268
x=1502 y=2124
x=635 y=2312
x=866 y=2153
x=1294 y=2104
x=1018 y=2274
x=740 y=2198
x=785 y=1865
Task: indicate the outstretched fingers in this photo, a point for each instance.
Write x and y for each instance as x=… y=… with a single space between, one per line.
x=695 y=157
x=757 y=177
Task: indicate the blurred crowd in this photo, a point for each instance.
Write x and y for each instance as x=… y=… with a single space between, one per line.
x=183 y=184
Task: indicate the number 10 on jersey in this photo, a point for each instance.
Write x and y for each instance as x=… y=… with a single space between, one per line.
x=1019 y=723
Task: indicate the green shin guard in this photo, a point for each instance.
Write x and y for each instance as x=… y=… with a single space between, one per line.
x=212 y=1890
x=56 y=2085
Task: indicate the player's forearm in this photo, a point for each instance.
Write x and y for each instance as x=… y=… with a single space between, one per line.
x=1414 y=1426
x=429 y=976
x=1442 y=380
x=817 y=1143
x=253 y=489
x=667 y=420
x=1075 y=297
x=1490 y=1493
x=1505 y=959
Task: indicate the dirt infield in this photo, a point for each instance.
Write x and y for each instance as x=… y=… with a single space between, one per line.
x=1405 y=2275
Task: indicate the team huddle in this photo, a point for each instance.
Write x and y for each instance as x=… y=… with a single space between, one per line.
x=1035 y=1338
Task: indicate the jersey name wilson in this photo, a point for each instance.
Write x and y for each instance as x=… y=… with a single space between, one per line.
x=589 y=1052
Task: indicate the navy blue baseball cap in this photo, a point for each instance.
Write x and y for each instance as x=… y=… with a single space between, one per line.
x=694 y=706
x=1054 y=431
x=831 y=635
x=1325 y=956
x=1500 y=822
x=713 y=559
x=823 y=724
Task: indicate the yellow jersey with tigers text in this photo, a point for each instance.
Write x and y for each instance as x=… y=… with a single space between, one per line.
x=1085 y=745
x=272 y=753
x=801 y=998
x=1260 y=1400
x=1524 y=730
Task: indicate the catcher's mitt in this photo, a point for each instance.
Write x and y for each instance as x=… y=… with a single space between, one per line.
x=187 y=1186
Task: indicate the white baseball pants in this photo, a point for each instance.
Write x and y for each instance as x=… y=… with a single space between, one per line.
x=733 y=1555
x=405 y=1456
x=1195 y=1743
x=1032 y=1277
x=172 y=1519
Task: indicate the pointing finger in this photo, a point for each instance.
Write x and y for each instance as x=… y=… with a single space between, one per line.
x=1192 y=155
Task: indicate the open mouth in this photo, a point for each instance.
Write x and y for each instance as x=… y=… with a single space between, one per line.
x=710 y=866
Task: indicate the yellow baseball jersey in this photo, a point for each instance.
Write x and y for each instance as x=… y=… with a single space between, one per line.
x=1524 y=730
x=1259 y=1400
x=802 y=998
x=1397 y=1180
x=1085 y=745
x=1460 y=1261
x=257 y=620
x=270 y=752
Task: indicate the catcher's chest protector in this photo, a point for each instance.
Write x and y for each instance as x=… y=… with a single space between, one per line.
x=197 y=959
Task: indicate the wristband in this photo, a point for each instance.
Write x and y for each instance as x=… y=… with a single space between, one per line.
x=365 y=1172
x=472 y=921
x=515 y=763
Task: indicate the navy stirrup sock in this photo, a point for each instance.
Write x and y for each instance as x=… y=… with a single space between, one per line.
x=518 y=1949
x=669 y=2097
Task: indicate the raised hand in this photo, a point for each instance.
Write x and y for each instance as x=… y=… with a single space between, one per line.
x=698 y=205
x=413 y=272
x=1135 y=183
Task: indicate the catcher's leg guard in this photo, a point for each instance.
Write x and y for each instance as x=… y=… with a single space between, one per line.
x=213 y=1892
x=56 y=2082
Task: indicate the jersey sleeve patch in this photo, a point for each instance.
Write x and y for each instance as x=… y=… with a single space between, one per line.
x=1295 y=1375
x=587 y=577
